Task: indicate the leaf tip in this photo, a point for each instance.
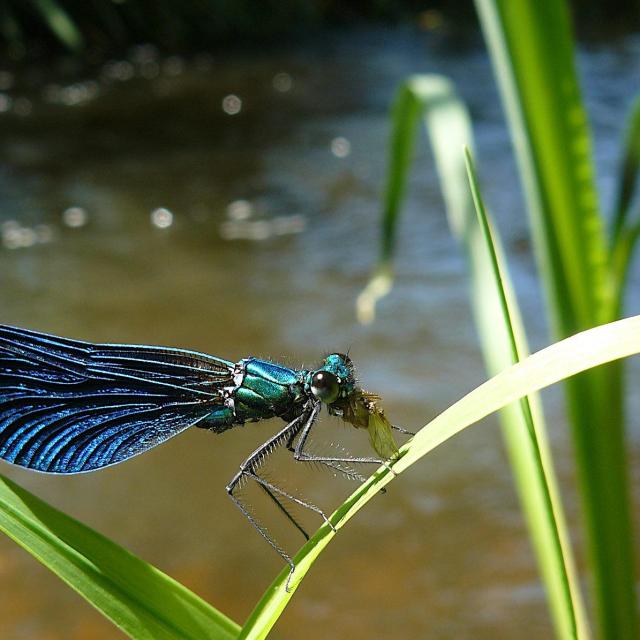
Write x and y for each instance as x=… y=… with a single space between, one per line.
x=378 y=287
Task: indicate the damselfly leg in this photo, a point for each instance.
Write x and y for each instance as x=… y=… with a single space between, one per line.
x=302 y=456
x=333 y=464
x=295 y=435
x=249 y=470
x=403 y=431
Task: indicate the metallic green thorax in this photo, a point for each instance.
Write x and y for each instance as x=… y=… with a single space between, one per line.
x=263 y=389
x=267 y=390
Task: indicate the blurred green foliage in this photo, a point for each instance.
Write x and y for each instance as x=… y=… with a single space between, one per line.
x=29 y=28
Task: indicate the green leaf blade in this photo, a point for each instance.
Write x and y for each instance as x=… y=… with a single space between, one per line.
x=524 y=430
x=60 y=24
x=626 y=227
x=629 y=170
x=532 y=48
x=502 y=335
x=135 y=596
x=551 y=365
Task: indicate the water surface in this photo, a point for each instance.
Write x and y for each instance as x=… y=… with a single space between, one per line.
x=135 y=209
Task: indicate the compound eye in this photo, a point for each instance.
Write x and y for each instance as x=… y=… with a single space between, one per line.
x=325 y=386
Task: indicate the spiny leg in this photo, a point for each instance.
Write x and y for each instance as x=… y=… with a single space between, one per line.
x=303 y=503
x=248 y=469
x=284 y=510
x=250 y=463
x=331 y=464
x=401 y=430
x=347 y=472
x=308 y=417
x=263 y=532
x=302 y=456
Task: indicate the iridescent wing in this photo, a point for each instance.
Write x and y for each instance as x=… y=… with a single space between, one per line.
x=68 y=406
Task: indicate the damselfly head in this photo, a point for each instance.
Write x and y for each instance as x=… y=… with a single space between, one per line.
x=334 y=380
x=334 y=384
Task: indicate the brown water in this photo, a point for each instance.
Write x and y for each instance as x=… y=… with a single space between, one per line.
x=297 y=172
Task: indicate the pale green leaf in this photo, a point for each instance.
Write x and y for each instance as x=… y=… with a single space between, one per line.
x=533 y=53
x=501 y=332
x=553 y=364
x=58 y=20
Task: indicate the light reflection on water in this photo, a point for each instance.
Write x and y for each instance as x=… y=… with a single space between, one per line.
x=160 y=174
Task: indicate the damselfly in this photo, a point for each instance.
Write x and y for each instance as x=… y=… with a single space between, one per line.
x=71 y=407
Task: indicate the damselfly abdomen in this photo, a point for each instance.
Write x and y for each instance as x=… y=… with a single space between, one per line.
x=71 y=407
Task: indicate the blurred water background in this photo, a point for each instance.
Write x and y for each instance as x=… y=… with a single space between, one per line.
x=229 y=203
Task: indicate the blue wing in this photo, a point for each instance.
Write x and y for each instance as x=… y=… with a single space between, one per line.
x=69 y=406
